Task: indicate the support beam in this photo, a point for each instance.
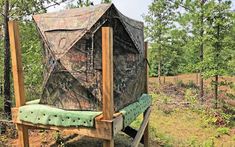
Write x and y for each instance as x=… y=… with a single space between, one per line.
x=146 y=132
x=107 y=77
x=142 y=128
x=18 y=78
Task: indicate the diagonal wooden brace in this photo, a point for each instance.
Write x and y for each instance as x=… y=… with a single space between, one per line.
x=142 y=128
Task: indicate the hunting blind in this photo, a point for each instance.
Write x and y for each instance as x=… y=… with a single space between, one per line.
x=72 y=43
x=95 y=76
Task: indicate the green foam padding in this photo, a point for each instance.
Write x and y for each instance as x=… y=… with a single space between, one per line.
x=37 y=113
x=47 y=115
x=132 y=111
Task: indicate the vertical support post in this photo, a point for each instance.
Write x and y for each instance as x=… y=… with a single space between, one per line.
x=18 y=78
x=146 y=132
x=107 y=78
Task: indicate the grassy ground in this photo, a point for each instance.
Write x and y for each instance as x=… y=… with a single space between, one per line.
x=177 y=119
x=186 y=127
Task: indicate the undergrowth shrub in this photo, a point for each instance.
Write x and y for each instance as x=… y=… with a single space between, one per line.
x=222 y=131
x=190 y=97
x=218 y=118
x=209 y=143
x=180 y=83
x=165 y=104
x=191 y=84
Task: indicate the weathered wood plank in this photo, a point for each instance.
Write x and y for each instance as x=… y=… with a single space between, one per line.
x=117 y=124
x=107 y=78
x=142 y=128
x=23 y=137
x=107 y=72
x=108 y=143
x=18 y=78
x=16 y=60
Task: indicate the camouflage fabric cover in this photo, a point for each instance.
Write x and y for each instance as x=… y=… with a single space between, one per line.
x=72 y=57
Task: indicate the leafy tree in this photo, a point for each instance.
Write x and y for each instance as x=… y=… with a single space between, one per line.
x=231 y=40
x=7 y=91
x=172 y=57
x=206 y=21
x=218 y=56
x=32 y=59
x=159 y=22
x=195 y=22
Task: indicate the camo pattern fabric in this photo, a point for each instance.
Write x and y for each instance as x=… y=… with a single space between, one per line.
x=73 y=54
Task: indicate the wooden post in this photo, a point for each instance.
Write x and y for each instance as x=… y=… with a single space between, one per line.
x=146 y=132
x=107 y=77
x=18 y=78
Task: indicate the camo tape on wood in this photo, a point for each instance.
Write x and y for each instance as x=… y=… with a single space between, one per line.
x=47 y=115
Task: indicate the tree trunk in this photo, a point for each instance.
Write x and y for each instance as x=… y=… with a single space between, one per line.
x=164 y=79
x=159 y=65
x=202 y=50
x=216 y=90
x=201 y=86
x=159 y=72
x=176 y=79
x=218 y=47
x=7 y=68
x=197 y=79
x=1 y=89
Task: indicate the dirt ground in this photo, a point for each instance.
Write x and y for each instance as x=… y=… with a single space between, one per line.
x=48 y=138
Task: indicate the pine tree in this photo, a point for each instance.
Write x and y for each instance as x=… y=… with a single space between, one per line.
x=195 y=16
x=159 y=22
x=218 y=56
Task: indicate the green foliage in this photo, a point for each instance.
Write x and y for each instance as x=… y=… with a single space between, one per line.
x=165 y=106
x=222 y=131
x=218 y=118
x=1 y=63
x=190 y=97
x=164 y=139
x=106 y=1
x=160 y=31
x=176 y=37
x=22 y=11
x=32 y=59
x=209 y=143
x=217 y=54
x=192 y=142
